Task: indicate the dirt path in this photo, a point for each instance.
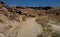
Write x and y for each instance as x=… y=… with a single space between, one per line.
x=30 y=28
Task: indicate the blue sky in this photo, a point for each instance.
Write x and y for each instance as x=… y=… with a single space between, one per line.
x=33 y=2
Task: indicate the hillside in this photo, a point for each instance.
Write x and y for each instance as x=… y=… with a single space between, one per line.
x=24 y=21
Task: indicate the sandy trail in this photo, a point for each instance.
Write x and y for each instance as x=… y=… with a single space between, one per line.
x=30 y=28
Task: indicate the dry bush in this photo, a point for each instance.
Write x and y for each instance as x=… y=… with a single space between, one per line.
x=7 y=27
x=24 y=18
x=1 y=21
x=42 y=21
x=55 y=34
x=10 y=15
x=46 y=29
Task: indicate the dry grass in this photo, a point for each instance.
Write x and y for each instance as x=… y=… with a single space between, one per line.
x=24 y=18
x=7 y=27
x=10 y=15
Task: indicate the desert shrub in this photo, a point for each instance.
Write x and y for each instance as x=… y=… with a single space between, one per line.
x=7 y=27
x=46 y=29
x=1 y=21
x=39 y=35
x=24 y=18
x=5 y=14
x=55 y=34
x=31 y=15
x=42 y=21
x=10 y=15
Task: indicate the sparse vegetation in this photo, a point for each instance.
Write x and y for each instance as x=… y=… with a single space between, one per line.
x=55 y=34
x=45 y=15
x=42 y=21
x=10 y=15
x=1 y=21
x=7 y=27
x=47 y=29
x=24 y=18
x=5 y=14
